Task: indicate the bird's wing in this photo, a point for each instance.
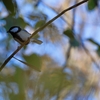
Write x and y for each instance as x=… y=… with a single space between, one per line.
x=36 y=41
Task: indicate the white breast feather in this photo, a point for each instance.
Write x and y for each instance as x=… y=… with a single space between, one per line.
x=24 y=35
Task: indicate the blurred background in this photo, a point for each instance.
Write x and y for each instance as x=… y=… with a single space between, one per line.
x=66 y=66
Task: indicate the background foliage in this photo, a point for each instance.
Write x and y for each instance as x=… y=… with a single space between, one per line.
x=68 y=58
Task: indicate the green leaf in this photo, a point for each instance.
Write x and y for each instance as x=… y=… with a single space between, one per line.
x=10 y=5
x=74 y=43
x=69 y=33
x=20 y=79
x=98 y=51
x=40 y=23
x=29 y=65
x=52 y=80
x=33 y=60
x=93 y=42
x=92 y=4
x=13 y=21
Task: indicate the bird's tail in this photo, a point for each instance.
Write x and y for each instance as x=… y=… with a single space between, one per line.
x=36 y=41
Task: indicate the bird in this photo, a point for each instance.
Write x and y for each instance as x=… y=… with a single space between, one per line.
x=21 y=35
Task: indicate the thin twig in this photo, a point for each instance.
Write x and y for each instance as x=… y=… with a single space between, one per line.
x=40 y=29
x=29 y=65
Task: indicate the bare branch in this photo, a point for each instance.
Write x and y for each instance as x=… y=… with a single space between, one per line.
x=31 y=66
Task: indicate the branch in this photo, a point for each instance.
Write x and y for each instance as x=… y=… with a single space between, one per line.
x=40 y=29
x=29 y=65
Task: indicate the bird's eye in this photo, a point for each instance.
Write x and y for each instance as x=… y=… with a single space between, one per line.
x=14 y=29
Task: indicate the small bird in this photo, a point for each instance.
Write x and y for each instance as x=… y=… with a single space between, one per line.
x=21 y=35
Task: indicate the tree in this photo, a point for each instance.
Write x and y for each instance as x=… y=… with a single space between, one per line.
x=69 y=69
